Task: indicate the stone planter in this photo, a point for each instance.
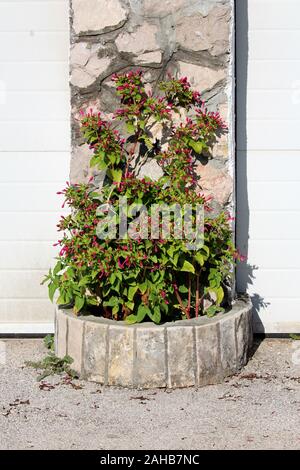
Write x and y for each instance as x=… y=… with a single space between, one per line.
x=185 y=353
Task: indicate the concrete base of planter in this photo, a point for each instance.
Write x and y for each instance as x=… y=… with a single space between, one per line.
x=185 y=353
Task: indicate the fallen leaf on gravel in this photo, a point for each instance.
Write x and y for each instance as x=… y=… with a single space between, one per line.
x=236 y=385
x=46 y=386
x=139 y=398
x=250 y=376
x=229 y=397
x=67 y=380
x=253 y=376
x=76 y=386
x=18 y=402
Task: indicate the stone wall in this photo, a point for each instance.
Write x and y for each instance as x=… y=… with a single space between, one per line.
x=190 y=38
x=185 y=353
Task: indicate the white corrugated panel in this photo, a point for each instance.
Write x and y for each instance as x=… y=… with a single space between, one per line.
x=268 y=160
x=34 y=155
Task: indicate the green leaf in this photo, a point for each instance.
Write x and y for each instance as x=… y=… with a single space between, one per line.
x=155 y=316
x=187 y=267
x=49 y=342
x=92 y=301
x=175 y=259
x=94 y=161
x=213 y=310
x=70 y=273
x=130 y=127
x=115 y=310
x=52 y=288
x=102 y=166
x=112 y=158
x=84 y=281
x=143 y=287
x=58 y=267
x=79 y=303
x=170 y=251
x=148 y=142
x=155 y=276
x=199 y=258
x=130 y=305
x=205 y=248
x=143 y=310
x=183 y=289
x=219 y=293
x=116 y=175
x=47 y=278
x=197 y=146
x=61 y=300
x=131 y=292
x=131 y=319
x=111 y=302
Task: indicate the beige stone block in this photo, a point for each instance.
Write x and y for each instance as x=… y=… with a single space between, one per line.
x=181 y=357
x=94 y=351
x=142 y=40
x=201 y=78
x=215 y=182
x=97 y=15
x=120 y=356
x=150 y=362
x=207 y=353
x=75 y=342
x=205 y=33
x=61 y=333
x=86 y=66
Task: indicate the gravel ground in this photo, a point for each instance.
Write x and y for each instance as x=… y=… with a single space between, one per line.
x=258 y=409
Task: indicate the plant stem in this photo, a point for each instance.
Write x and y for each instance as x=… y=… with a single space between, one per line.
x=132 y=151
x=189 y=295
x=197 y=297
x=181 y=304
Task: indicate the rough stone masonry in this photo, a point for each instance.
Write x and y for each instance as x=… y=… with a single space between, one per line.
x=192 y=38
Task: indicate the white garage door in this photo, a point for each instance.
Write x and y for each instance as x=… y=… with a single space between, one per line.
x=268 y=177
x=34 y=154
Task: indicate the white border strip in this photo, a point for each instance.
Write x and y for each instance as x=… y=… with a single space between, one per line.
x=285 y=328
x=26 y=328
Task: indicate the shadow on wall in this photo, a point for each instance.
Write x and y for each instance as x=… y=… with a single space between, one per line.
x=245 y=273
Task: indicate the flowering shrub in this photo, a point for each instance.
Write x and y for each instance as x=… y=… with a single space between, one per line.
x=139 y=276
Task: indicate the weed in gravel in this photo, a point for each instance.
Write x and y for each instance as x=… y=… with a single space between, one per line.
x=295 y=337
x=52 y=365
x=49 y=342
